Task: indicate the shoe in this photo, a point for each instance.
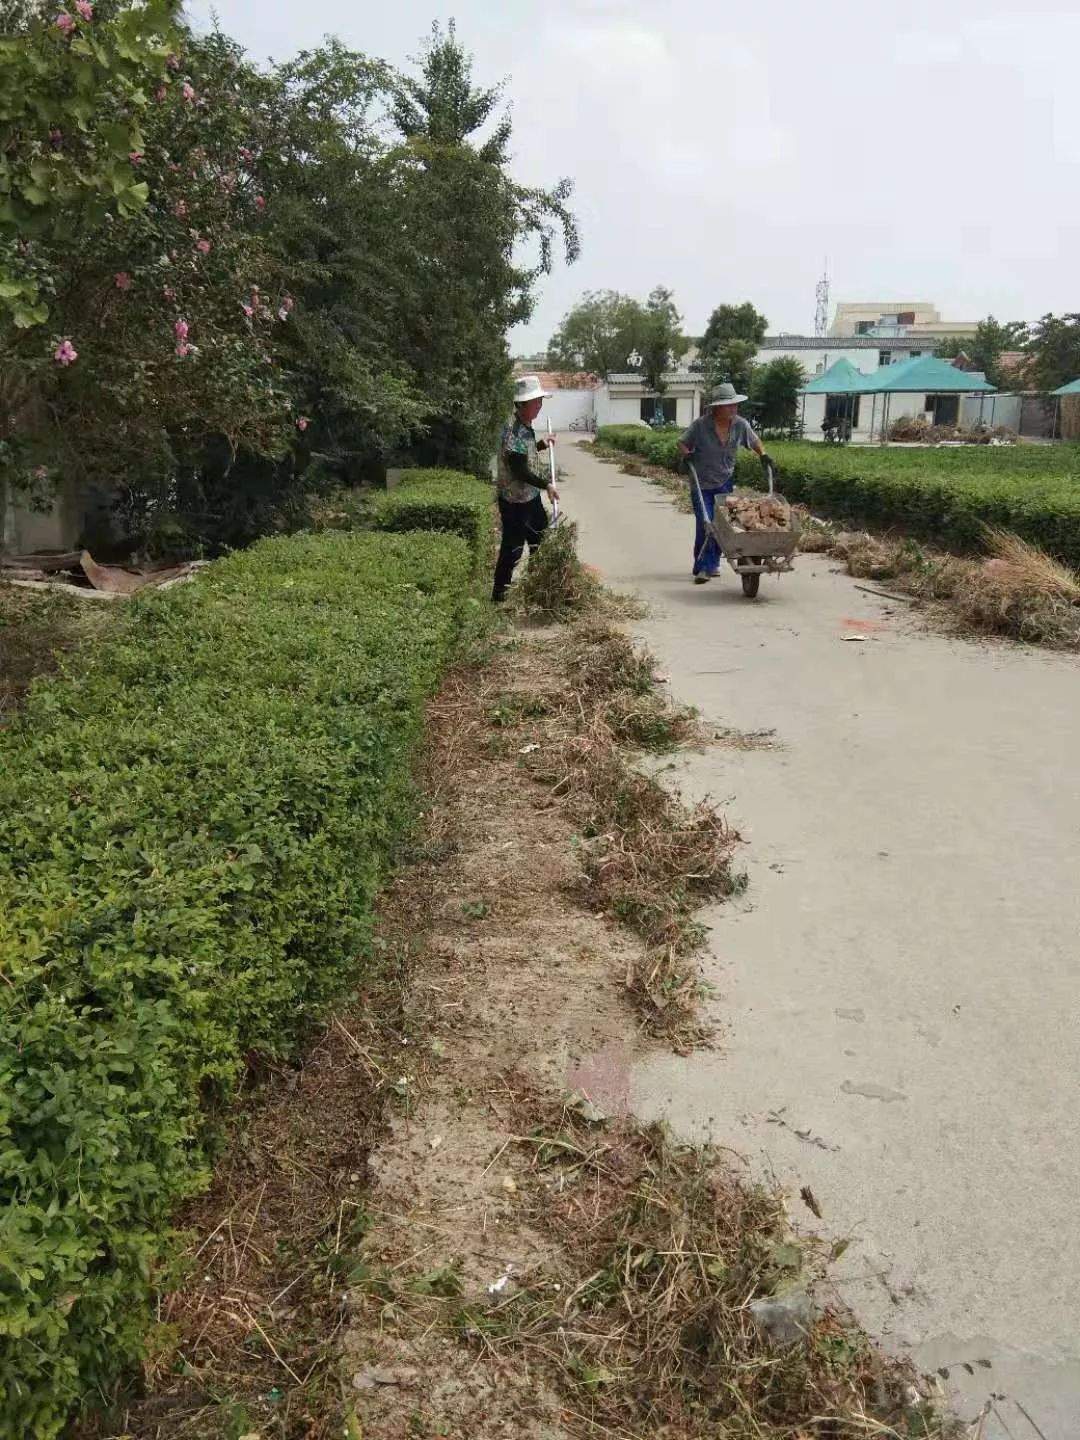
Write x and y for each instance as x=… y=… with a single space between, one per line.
x=701 y=579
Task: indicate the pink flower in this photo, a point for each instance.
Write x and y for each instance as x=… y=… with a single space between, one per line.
x=246 y=154
x=85 y=9
x=183 y=349
x=283 y=314
x=247 y=309
x=123 y=280
x=188 y=92
x=136 y=157
x=41 y=473
x=173 y=62
x=203 y=246
x=180 y=209
x=260 y=202
x=169 y=293
x=65 y=23
x=160 y=93
x=181 y=330
x=287 y=303
x=302 y=423
x=65 y=353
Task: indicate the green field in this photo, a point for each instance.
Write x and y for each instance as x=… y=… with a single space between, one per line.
x=942 y=495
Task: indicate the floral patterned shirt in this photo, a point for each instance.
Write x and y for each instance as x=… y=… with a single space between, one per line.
x=520 y=477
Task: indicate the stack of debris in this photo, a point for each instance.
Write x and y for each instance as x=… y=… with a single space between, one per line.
x=759 y=512
x=76 y=572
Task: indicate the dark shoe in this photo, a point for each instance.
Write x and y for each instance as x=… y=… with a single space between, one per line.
x=701 y=579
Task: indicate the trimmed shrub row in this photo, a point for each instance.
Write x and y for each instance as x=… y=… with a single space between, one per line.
x=442 y=500
x=194 y=824
x=942 y=495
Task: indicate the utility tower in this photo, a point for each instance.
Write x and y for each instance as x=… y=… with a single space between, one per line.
x=821 y=318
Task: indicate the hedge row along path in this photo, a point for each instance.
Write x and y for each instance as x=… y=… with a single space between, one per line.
x=194 y=826
x=900 y=984
x=945 y=496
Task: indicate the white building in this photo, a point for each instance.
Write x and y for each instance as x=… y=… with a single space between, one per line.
x=891 y=319
x=626 y=400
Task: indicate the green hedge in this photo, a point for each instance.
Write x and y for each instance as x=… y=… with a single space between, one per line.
x=447 y=500
x=194 y=824
x=944 y=495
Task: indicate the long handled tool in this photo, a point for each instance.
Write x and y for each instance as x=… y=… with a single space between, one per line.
x=551 y=468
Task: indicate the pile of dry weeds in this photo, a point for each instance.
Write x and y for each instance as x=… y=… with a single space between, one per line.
x=657 y=1332
x=1018 y=590
x=556 y=585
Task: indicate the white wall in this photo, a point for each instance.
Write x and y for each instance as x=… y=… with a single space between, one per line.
x=617 y=410
x=995 y=410
x=625 y=409
x=567 y=406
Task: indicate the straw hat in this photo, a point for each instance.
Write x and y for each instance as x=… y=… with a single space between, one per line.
x=725 y=395
x=528 y=387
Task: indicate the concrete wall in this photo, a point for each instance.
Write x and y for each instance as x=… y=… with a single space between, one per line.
x=993 y=410
x=24 y=531
x=565 y=407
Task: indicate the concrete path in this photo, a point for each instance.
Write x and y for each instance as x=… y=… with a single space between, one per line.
x=900 y=992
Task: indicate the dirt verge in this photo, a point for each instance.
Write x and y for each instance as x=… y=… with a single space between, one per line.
x=445 y=1221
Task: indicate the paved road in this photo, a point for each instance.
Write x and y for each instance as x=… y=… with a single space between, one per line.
x=899 y=990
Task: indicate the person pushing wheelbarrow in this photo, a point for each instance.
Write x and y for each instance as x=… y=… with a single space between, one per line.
x=713 y=443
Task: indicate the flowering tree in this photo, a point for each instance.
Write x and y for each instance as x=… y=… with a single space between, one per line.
x=223 y=287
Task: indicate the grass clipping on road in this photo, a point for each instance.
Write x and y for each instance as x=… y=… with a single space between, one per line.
x=646 y=858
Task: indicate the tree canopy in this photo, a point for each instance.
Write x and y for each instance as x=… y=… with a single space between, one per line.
x=606 y=328
x=733 y=322
x=223 y=286
x=992 y=338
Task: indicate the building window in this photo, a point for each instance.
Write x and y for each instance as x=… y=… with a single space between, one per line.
x=916 y=355
x=863 y=327
x=884 y=357
x=652 y=404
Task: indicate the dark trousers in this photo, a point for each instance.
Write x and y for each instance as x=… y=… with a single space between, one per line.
x=523 y=524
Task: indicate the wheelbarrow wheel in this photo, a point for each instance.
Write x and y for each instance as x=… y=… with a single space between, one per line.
x=751 y=583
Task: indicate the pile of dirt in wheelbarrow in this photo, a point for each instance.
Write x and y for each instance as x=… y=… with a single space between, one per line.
x=759 y=512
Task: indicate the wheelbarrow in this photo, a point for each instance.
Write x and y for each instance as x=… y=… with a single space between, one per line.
x=751 y=553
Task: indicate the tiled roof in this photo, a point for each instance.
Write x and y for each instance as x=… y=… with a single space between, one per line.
x=673 y=377
x=850 y=342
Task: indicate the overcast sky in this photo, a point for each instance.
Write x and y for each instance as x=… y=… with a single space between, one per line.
x=931 y=152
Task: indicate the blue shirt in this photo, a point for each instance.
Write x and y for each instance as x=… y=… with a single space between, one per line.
x=714 y=459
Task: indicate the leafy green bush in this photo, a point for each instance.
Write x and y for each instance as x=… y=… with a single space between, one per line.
x=943 y=495
x=194 y=824
x=446 y=500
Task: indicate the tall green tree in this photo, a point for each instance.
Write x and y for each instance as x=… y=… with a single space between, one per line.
x=466 y=226
x=663 y=343
x=992 y=338
x=731 y=362
x=1053 y=352
x=733 y=322
x=774 y=392
x=599 y=334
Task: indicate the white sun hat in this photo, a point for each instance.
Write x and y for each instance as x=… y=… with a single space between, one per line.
x=528 y=387
x=725 y=395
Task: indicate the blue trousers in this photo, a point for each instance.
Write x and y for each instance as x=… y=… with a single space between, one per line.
x=709 y=557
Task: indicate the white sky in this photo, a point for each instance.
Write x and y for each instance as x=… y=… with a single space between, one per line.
x=932 y=152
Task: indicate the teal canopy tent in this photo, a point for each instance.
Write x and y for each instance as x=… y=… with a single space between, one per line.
x=1072 y=388
x=843 y=379
x=925 y=374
